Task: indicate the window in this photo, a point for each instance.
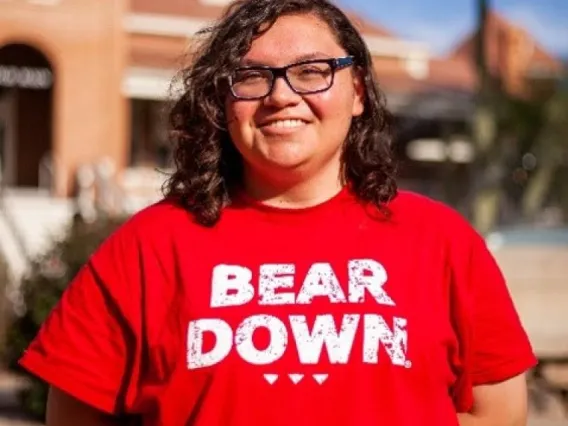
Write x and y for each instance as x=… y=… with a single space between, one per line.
x=150 y=145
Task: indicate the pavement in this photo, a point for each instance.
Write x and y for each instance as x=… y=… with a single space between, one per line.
x=10 y=415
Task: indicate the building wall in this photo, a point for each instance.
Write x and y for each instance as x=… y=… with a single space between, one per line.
x=86 y=45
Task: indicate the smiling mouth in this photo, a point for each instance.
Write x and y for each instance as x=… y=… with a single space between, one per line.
x=284 y=125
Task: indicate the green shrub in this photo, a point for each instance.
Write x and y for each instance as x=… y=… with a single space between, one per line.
x=41 y=290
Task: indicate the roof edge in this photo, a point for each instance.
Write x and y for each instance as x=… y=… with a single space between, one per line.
x=174 y=26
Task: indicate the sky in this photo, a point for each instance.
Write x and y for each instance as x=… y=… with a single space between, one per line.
x=442 y=23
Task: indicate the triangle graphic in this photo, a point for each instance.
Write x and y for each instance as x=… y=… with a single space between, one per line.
x=271 y=378
x=320 y=378
x=296 y=378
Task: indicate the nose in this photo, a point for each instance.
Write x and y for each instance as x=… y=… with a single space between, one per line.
x=282 y=94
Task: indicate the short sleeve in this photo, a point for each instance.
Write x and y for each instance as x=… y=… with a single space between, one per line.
x=494 y=346
x=88 y=345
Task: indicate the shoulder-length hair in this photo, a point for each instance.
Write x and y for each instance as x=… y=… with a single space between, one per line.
x=208 y=166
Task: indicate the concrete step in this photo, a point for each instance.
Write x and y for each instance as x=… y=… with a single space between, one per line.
x=36 y=217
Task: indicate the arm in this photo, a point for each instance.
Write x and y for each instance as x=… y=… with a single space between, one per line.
x=64 y=410
x=499 y=404
x=495 y=350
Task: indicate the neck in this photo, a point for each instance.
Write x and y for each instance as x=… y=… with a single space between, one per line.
x=293 y=190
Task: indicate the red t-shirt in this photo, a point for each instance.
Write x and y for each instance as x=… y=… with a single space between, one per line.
x=329 y=315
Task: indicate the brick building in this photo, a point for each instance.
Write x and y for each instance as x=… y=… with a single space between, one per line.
x=82 y=80
x=514 y=58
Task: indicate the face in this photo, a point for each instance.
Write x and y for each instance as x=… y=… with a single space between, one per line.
x=287 y=133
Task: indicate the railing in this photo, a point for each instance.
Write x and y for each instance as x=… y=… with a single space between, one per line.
x=46 y=171
x=100 y=191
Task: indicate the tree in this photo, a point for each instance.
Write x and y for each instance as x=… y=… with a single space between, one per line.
x=520 y=141
x=550 y=152
x=487 y=168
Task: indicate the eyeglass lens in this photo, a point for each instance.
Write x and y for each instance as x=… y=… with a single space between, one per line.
x=303 y=78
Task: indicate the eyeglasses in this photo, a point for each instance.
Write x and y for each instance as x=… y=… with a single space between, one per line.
x=304 y=78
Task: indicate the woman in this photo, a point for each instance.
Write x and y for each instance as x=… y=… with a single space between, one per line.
x=284 y=280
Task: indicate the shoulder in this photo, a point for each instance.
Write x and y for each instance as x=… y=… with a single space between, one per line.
x=156 y=225
x=410 y=208
x=165 y=212
x=437 y=225
x=157 y=220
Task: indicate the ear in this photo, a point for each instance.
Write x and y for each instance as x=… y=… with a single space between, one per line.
x=359 y=93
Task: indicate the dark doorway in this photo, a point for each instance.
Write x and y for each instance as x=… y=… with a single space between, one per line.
x=26 y=116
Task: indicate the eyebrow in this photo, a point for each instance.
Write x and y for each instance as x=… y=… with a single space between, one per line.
x=300 y=58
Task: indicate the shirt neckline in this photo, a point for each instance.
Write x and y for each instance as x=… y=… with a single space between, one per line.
x=243 y=200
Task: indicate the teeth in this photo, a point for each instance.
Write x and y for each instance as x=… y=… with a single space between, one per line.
x=287 y=124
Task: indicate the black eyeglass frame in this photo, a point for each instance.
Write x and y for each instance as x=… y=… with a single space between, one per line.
x=335 y=64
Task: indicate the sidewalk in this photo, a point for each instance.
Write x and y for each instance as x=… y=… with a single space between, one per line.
x=9 y=413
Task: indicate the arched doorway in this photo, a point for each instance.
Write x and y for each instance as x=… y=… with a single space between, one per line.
x=26 y=116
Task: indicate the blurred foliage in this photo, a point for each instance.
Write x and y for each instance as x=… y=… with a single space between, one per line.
x=519 y=137
x=557 y=129
x=41 y=290
x=529 y=161
x=542 y=160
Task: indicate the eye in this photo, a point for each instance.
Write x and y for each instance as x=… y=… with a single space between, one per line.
x=314 y=69
x=309 y=71
x=250 y=76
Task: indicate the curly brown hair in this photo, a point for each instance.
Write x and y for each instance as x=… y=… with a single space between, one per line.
x=208 y=166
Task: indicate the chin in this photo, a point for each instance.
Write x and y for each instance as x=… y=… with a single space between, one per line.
x=280 y=165
x=285 y=164
x=285 y=155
